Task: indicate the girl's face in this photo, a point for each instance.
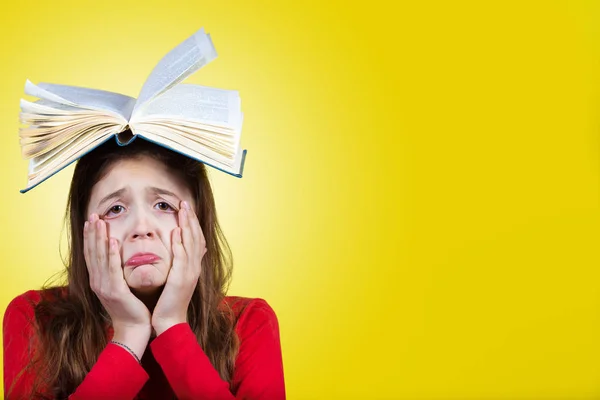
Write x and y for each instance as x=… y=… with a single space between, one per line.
x=139 y=200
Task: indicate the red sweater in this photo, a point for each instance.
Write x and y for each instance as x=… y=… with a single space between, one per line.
x=174 y=364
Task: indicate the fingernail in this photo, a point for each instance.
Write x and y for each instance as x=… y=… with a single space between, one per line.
x=186 y=205
x=85 y=226
x=184 y=212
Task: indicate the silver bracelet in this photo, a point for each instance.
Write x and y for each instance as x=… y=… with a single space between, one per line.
x=126 y=348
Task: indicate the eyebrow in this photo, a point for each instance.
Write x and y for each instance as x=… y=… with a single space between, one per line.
x=117 y=193
x=156 y=190
x=122 y=191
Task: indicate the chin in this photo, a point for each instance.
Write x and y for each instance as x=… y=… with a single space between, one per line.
x=145 y=279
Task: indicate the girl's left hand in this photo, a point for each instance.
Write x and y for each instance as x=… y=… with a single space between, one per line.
x=189 y=247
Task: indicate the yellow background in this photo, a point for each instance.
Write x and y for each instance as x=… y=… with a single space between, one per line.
x=420 y=203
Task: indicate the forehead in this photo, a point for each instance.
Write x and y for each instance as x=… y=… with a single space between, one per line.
x=136 y=175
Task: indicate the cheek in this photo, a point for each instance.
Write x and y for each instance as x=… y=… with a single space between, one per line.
x=118 y=228
x=168 y=223
x=115 y=229
x=165 y=236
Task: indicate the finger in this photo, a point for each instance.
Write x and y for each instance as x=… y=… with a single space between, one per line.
x=86 y=252
x=91 y=245
x=114 y=258
x=179 y=254
x=185 y=234
x=101 y=246
x=197 y=234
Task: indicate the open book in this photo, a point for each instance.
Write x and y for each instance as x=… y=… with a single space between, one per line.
x=203 y=123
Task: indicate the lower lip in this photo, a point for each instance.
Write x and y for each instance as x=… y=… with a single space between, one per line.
x=140 y=260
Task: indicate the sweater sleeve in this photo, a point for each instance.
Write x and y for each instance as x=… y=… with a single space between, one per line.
x=258 y=371
x=116 y=374
x=17 y=332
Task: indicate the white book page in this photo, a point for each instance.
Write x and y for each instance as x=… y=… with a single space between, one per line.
x=185 y=59
x=40 y=168
x=69 y=150
x=44 y=107
x=202 y=136
x=209 y=106
x=92 y=99
x=207 y=129
x=36 y=91
x=47 y=125
x=203 y=157
x=218 y=152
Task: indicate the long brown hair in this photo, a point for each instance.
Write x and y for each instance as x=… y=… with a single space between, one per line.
x=71 y=327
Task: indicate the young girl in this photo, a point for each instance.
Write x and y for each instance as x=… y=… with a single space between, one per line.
x=144 y=313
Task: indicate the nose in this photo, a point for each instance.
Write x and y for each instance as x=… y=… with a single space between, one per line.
x=143 y=227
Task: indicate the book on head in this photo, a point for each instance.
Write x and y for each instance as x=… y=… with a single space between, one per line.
x=204 y=123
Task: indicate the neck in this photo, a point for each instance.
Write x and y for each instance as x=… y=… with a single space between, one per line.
x=149 y=298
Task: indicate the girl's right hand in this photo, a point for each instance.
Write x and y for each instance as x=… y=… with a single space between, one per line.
x=130 y=317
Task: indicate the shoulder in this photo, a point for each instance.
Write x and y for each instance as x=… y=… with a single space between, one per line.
x=252 y=314
x=25 y=303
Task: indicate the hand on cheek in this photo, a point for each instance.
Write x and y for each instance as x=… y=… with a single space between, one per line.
x=129 y=316
x=189 y=246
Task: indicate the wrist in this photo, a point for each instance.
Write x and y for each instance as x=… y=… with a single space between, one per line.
x=134 y=339
x=162 y=325
x=132 y=352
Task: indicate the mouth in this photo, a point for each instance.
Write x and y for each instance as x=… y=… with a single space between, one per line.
x=141 y=258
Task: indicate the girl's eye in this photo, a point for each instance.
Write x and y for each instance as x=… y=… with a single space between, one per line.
x=164 y=206
x=115 y=209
